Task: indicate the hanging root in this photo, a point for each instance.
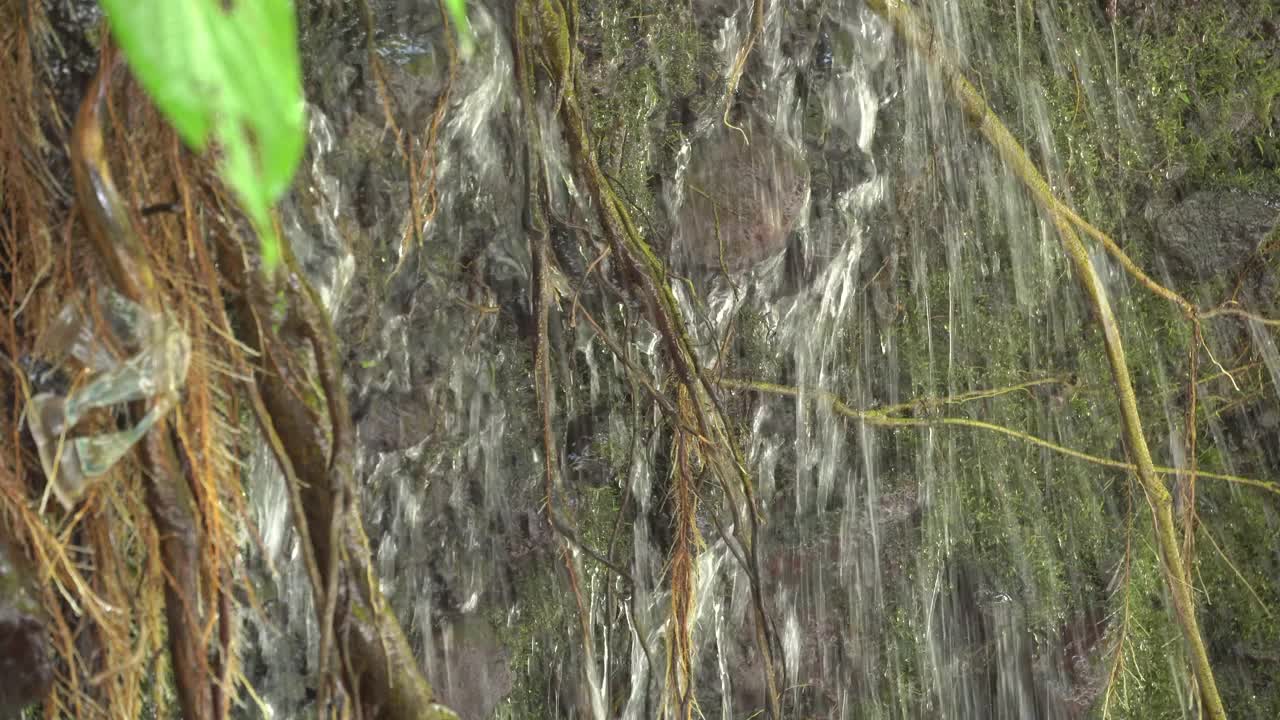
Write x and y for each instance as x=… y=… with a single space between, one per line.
x=377 y=665
x=192 y=483
x=539 y=250
x=145 y=552
x=419 y=155
x=890 y=416
x=1116 y=673
x=548 y=25
x=684 y=551
x=1187 y=486
x=739 y=65
x=169 y=489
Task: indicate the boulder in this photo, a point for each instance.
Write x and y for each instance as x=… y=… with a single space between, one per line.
x=741 y=199
x=1210 y=233
x=26 y=667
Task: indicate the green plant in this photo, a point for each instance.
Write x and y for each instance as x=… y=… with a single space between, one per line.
x=233 y=74
x=458 y=14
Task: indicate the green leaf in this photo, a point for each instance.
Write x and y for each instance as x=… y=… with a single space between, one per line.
x=458 y=14
x=233 y=75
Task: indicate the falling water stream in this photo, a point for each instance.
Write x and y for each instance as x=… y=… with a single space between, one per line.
x=912 y=571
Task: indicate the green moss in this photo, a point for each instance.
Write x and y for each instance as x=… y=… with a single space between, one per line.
x=537 y=620
x=1239 y=609
x=1205 y=78
x=1151 y=683
x=1044 y=527
x=650 y=56
x=1198 y=90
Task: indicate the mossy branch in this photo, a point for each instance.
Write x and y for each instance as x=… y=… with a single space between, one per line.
x=686 y=545
x=540 y=300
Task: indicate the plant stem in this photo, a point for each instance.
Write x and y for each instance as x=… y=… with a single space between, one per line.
x=905 y=20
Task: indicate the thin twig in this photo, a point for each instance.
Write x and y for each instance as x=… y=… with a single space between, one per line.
x=740 y=63
x=879 y=418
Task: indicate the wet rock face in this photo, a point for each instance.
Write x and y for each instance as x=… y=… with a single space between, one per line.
x=1211 y=233
x=26 y=669
x=741 y=200
x=472 y=672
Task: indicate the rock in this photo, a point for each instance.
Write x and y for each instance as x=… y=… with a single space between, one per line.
x=1211 y=233
x=472 y=673
x=26 y=668
x=739 y=197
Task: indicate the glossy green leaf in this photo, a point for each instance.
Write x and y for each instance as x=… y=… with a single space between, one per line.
x=232 y=75
x=458 y=14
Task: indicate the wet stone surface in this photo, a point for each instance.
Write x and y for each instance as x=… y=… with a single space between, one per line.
x=26 y=669
x=472 y=668
x=741 y=200
x=1209 y=233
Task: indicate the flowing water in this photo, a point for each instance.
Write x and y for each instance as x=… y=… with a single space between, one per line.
x=912 y=571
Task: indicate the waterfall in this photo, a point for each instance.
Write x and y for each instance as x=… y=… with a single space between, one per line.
x=916 y=381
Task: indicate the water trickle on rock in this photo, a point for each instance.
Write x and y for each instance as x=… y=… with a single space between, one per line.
x=744 y=192
x=907 y=571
